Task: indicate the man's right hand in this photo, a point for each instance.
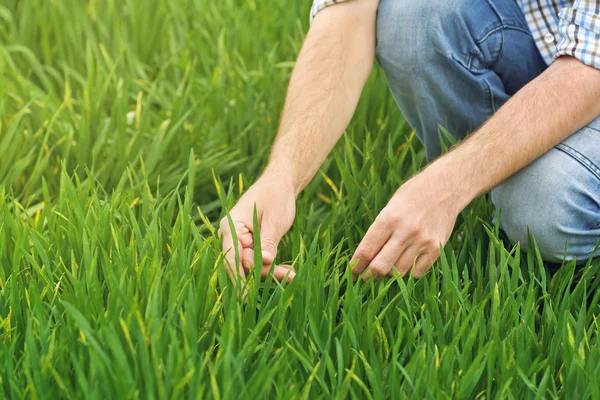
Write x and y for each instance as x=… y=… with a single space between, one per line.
x=275 y=203
x=330 y=72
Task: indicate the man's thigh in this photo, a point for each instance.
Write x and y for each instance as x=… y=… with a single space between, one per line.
x=557 y=198
x=454 y=63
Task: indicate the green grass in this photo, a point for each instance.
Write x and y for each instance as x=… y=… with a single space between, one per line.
x=128 y=127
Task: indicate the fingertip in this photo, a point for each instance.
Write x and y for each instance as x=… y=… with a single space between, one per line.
x=223 y=230
x=267 y=257
x=243 y=297
x=291 y=276
x=357 y=269
x=246 y=239
x=236 y=275
x=280 y=272
x=247 y=258
x=354 y=261
x=366 y=276
x=228 y=264
x=355 y=274
x=358 y=265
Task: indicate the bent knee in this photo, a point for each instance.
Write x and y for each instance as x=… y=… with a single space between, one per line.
x=411 y=34
x=413 y=29
x=551 y=199
x=402 y=34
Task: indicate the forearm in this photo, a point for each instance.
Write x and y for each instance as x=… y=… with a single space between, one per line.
x=542 y=114
x=331 y=70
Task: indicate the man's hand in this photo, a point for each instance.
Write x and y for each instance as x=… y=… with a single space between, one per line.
x=408 y=232
x=422 y=213
x=276 y=207
x=332 y=68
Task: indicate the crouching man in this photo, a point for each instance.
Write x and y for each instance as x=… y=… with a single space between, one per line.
x=524 y=75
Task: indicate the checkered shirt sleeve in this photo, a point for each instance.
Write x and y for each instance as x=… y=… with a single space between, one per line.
x=579 y=29
x=559 y=27
x=318 y=5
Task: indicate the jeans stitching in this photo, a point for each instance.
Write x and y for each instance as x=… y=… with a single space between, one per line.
x=504 y=25
x=487 y=86
x=594 y=129
x=579 y=157
x=500 y=29
x=490 y=96
x=509 y=23
x=495 y=10
x=501 y=25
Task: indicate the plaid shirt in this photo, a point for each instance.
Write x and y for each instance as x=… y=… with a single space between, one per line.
x=559 y=27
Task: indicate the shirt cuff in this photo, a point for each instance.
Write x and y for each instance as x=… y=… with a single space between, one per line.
x=579 y=35
x=318 y=5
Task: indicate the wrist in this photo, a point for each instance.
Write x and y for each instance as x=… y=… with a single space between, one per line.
x=283 y=175
x=450 y=184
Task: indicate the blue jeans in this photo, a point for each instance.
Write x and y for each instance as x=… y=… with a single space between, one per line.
x=454 y=63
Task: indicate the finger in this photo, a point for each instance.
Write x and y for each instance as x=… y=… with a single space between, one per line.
x=271 y=235
x=229 y=261
x=241 y=229
x=280 y=272
x=405 y=262
x=248 y=259
x=374 y=240
x=423 y=263
x=383 y=262
x=246 y=238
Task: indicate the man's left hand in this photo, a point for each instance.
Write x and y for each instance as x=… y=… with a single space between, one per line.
x=408 y=232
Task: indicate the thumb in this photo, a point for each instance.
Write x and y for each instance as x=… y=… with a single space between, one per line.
x=271 y=235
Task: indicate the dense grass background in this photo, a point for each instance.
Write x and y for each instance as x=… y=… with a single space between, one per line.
x=126 y=126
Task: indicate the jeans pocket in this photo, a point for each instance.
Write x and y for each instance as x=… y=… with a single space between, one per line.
x=488 y=52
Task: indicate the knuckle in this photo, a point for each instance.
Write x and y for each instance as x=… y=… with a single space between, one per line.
x=405 y=267
x=399 y=241
x=388 y=220
x=420 y=270
x=431 y=244
x=412 y=229
x=224 y=224
x=423 y=266
x=393 y=271
x=378 y=270
x=365 y=253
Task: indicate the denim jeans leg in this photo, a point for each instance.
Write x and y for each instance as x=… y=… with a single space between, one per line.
x=453 y=63
x=557 y=198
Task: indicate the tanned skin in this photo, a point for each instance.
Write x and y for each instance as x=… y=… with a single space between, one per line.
x=331 y=70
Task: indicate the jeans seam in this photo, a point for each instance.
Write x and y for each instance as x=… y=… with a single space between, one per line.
x=491 y=102
x=501 y=25
x=510 y=23
x=489 y=33
x=492 y=63
x=487 y=86
x=594 y=129
x=579 y=157
x=504 y=25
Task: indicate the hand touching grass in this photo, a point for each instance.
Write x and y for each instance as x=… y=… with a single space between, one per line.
x=276 y=207
x=408 y=232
